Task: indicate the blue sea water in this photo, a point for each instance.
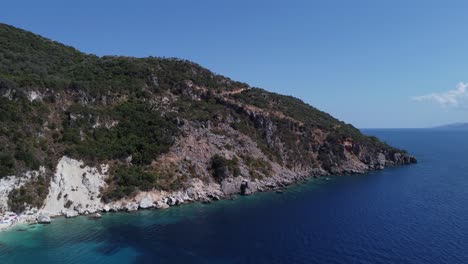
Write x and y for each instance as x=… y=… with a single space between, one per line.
x=410 y=214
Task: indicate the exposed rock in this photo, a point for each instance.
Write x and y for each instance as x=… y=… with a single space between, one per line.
x=34 y=95
x=7 y=184
x=171 y=201
x=161 y=205
x=381 y=160
x=130 y=207
x=95 y=216
x=70 y=214
x=43 y=218
x=146 y=203
x=73 y=181
x=243 y=188
x=106 y=208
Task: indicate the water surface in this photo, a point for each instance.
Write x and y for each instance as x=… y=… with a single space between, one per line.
x=410 y=214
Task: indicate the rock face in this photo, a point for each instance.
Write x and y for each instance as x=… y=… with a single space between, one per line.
x=70 y=214
x=162 y=205
x=132 y=206
x=146 y=203
x=7 y=184
x=75 y=187
x=43 y=219
x=95 y=216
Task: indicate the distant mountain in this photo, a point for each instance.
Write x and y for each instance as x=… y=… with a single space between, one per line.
x=454 y=126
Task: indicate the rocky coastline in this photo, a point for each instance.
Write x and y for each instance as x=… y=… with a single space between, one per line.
x=87 y=202
x=83 y=134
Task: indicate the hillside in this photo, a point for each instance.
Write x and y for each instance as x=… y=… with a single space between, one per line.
x=81 y=133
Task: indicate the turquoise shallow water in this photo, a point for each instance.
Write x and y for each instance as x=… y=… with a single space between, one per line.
x=411 y=214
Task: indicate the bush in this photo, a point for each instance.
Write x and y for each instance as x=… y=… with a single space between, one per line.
x=32 y=194
x=223 y=168
x=126 y=180
x=258 y=167
x=7 y=165
x=141 y=133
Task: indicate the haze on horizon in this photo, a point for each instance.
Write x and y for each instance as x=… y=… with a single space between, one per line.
x=370 y=64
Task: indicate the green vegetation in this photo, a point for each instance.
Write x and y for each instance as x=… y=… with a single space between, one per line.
x=32 y=194
x=20 y=123
x=129 y=111
x=126 y=180
x=28 y=60
x=223 y=167
x=7 y=165
x=288 y=105
x=256 y=130
x=258 y=167
x=201 y=111
x=141 y=133
x=299 y=145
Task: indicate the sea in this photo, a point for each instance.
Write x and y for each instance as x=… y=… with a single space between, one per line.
x=410 y=214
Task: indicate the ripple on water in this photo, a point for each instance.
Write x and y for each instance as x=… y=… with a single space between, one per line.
x=413 y=214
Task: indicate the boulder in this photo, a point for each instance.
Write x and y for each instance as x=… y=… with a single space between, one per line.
x=171 y=201
x=146 y=203
x=95 y=216
x=43 y=218
x=130 y=207
x=161 y=205
x=243 y=188
x=205 y=200
x=381 y=160
x=71 y=213
x=106 y=208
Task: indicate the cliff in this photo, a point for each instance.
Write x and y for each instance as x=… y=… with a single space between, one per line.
x=82 y=134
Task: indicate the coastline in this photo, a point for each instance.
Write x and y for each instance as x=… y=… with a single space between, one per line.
x=199 y=192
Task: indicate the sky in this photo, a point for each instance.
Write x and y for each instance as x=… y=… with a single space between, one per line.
x=374 y=64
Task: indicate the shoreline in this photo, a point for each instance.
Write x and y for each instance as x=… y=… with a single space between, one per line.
x=26 y=219
x=128 y=205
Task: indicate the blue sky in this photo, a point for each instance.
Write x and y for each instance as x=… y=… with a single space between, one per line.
x=369 y=63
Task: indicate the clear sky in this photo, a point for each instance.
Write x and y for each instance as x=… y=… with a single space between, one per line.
x=369 y=63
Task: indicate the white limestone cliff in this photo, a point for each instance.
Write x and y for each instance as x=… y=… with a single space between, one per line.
x=75 y=187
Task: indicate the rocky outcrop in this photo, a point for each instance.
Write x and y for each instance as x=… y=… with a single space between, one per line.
x=43 y=218
x=75 y=188
x=71 y=214
x=7 y=184
x=146 y=203
x=95 y=216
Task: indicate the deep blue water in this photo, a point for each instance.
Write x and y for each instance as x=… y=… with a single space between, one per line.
x=410 y=214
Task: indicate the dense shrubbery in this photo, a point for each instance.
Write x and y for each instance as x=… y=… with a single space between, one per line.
x=201 y=111
x=31 y=194
x=7 y=164
x=20 y=121
x=223 y=168
x=140 y=133
x=288 y=105
x=126 y=180
x=29 y=60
